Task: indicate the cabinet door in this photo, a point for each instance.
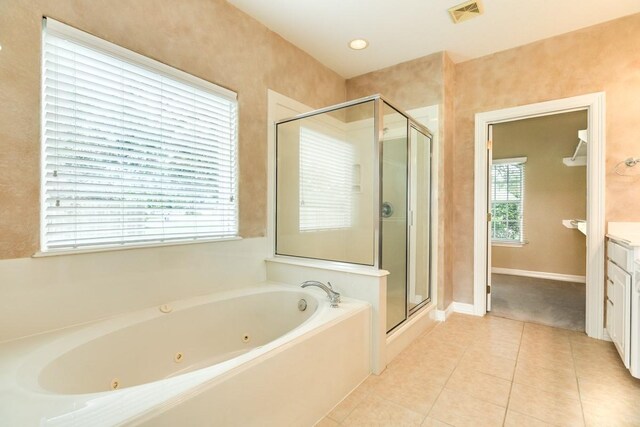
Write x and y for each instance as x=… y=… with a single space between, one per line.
x=611 y=326
x=618 y=316
x=621 y=315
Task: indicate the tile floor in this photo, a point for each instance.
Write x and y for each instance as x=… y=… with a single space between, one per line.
x=491 y=371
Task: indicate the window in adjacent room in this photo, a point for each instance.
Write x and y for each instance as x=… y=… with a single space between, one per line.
x=507 y=194
x=134 y=152
x=326 y=181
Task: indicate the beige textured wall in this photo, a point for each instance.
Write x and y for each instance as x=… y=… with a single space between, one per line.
x=207 y=38
x=418 y=83
x=411 y=84
x=600 y=58
x=552 y=192
x=446 y=185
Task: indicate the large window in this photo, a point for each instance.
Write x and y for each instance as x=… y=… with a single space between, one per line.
x=507 y=194
x=134 y=151
x=326 y=178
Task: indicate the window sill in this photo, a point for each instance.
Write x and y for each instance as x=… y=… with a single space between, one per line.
x=509 y=244
x=51 y=253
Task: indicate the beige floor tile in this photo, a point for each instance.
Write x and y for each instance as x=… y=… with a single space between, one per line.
x=596 y=355
x=611 y=412
x=344 y=408
x=432 y=422
x=414 y=354
x=578 y=337
x=327 y=422
x=460 y=323
x=601 y=368
x=417 y=394
x=476 y=359
x=375 y=411
x=496 y=347
x=585 y=347
x=547 y=406
x=437 y=372
x=497 y=366
x=502 y=322
x=465 y=319
x=558 y=381
x=434 y=367
x=544 y=330
x=365 y=387
x=594 y=350
x=499 y=333
x=460 y=409
x=625 y=391
x=548 y=344
x=460 y=335
x=426 y=348
x=481 y=386
x=516 y=419
x=546 y=333
x=428 y=342
x=544 y=358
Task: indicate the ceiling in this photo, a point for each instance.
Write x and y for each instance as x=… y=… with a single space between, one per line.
x=400 y=30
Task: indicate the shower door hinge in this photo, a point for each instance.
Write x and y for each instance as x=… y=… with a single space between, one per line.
x=489 y=144
x=489 y=289
x=489 y=217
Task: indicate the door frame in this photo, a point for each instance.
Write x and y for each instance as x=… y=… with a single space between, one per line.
x=594 y=104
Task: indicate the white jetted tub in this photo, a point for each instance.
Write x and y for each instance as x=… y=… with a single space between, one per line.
x=269 y=355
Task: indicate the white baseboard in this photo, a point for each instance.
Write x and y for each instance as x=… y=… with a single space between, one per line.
x=540 y=275
x=606 y=336
x=461 y=307
x=442 y=315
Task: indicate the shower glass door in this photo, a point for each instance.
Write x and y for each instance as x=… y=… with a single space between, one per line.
x=420 y=220
x=393 y=218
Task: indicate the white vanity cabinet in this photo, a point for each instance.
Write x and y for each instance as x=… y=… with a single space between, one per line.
x=623 y=293
x=619 y=308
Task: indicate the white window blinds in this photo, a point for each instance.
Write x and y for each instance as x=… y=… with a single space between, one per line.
x=326 y=178
x=134 y=151
x=507 y=200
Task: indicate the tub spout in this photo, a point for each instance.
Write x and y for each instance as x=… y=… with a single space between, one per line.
x=334 y=297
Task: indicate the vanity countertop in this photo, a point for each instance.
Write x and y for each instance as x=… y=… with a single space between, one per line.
x=625 y=232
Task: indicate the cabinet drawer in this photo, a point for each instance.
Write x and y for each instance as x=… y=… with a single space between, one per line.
x=620 y=255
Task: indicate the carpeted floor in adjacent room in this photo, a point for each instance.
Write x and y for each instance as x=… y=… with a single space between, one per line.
x=548 y=302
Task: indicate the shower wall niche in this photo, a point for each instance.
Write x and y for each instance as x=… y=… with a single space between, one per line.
x=353 y=185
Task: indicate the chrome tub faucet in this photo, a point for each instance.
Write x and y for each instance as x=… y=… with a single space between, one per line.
x=334 y=297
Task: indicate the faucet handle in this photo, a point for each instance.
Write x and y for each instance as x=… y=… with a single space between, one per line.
x=329 y=285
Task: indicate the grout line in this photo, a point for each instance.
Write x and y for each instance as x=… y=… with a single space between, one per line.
x=445 y=383
x=531 y=416
x=515 y=367
x=575 y=371
x=367 y=394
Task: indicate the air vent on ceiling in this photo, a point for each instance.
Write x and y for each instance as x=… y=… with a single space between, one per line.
x=465 y=11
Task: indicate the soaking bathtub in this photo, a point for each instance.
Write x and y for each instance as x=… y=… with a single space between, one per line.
x=270 y=355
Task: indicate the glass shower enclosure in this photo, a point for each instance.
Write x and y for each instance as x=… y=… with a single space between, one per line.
x=353 y=185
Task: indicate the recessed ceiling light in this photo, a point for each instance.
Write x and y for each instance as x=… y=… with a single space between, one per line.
x=358 y=44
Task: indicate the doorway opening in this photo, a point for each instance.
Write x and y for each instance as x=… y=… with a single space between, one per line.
x=591 y=105
x=538 y=203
